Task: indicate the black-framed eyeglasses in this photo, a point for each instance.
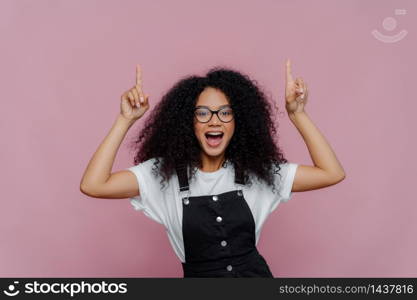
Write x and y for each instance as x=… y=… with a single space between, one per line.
x=204 y=114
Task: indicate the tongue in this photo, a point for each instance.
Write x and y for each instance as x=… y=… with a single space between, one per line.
x=214 y=141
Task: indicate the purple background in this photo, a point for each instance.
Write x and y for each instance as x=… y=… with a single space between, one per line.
x=65 y=64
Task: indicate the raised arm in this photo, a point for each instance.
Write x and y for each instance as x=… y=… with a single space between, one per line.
x=327 y=170
x=97 y=180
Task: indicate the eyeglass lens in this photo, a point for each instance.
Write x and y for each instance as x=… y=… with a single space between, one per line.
x=203 y=114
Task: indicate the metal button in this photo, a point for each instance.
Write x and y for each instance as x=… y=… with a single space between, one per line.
x=239 y=193
x=229 y=268
x=186 y=201
x=219 y=219
x=215 y=198
x=223 y=243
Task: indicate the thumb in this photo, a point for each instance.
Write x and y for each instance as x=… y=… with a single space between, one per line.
x=146 y=101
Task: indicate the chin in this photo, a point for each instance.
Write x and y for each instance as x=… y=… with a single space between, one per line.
x=214 y=153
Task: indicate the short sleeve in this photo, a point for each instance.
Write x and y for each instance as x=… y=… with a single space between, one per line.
x=150 y=198
x=284 y=179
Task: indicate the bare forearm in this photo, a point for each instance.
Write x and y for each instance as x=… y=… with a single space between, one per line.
x=320 y=151
x=100 y=166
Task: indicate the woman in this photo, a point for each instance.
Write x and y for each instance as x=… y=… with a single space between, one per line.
x=207 y=167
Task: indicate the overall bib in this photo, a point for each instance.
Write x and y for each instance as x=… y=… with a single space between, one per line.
x=219 y=234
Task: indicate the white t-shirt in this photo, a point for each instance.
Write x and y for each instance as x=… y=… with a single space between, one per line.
x=165 y=206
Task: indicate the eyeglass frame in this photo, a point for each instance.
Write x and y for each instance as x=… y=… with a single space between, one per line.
x=212 y=112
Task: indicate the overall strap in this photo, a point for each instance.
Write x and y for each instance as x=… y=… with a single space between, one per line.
x=182 y=176
x=239 y=177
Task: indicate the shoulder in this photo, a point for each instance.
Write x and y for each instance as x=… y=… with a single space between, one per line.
x=283 y=168
x=284 y=174
x=146 y=165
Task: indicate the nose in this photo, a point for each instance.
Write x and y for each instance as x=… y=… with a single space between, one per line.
x=215 y=119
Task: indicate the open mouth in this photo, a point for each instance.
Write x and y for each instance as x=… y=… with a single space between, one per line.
x=214 y=138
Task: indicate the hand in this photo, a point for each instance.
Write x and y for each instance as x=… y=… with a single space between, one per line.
x=296 y=92
x=134 y=103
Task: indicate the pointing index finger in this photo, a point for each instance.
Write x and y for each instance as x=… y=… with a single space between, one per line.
x=289 y=75
x=138 y=76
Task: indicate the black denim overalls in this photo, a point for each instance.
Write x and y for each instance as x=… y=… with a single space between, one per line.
x=219 y=234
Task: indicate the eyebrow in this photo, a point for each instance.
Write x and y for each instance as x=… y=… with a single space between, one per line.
x=221 y=106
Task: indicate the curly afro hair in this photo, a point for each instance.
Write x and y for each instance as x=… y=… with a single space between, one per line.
x=168 y=134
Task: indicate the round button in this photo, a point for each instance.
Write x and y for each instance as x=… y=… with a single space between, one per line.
x=229 y=268
x=239 y=193
x=215 y=198
x=186 y=201
x=223 y=243
x=219 y=219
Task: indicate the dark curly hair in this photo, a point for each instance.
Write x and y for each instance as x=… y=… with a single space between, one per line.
x=168 y=135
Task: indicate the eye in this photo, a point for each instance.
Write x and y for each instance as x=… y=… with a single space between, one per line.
x=227 y=112
x=201 y=112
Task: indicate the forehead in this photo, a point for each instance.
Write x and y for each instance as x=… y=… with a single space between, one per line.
x=212 y=98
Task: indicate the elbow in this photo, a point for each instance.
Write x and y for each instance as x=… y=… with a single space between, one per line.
x=83 y=189
x=340 y=177
x=86 y=191
x=335 y=178
x=343 y=175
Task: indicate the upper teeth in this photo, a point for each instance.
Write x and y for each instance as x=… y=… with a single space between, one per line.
x=215 y=133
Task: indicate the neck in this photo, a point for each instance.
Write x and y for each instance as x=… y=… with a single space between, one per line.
x=212 y=163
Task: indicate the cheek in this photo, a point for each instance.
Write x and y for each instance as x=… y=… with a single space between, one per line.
x=231 y=129
x=198 y=130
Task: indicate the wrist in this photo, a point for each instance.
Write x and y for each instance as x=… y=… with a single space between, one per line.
x=125 y=121
x=294 y=115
